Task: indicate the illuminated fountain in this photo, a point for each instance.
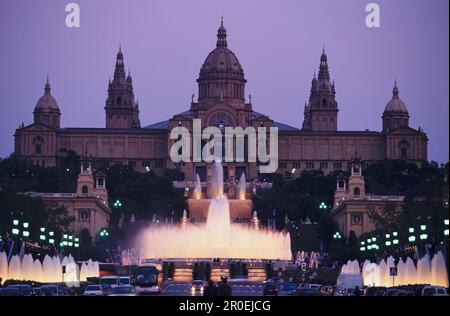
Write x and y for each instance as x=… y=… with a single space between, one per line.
x=49 y=271
x=218 y=237
x=426 y=272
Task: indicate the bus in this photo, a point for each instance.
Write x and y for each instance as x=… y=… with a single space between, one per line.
x=148 y=278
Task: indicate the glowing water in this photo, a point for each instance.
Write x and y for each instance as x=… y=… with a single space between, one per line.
x=218 y=238
x=379 y=274
x=197 y=188
x=49 y=271
x=242 y=187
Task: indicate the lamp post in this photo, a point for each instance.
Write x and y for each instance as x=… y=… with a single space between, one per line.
x=395 y=241
x=15 y=230
x=423 y=232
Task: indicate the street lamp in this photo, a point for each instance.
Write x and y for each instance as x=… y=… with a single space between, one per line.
x=15 y=222
x=323 y=206
x=26 y=225
x=15 y=231
x=412 y=239
x=26 y=233
x=117 y=204
x=104 y=233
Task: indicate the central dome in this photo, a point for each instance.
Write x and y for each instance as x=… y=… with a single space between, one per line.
x=221 y=63
x=221 y=77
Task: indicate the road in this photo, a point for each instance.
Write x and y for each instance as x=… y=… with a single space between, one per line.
x=184 y=289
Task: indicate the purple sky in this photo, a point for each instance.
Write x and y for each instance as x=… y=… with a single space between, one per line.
x=277 y=42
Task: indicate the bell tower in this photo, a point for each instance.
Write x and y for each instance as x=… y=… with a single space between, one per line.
x=356 y=185
x=320 y=114
x=121 y=109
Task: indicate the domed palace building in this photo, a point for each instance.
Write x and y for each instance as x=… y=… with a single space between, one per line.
x=315 y=144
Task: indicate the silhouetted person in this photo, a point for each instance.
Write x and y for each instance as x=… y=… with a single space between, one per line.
x=210 y=289
x=357 y=291
x=224 y=288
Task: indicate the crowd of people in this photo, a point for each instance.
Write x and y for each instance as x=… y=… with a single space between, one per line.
x=222 y=289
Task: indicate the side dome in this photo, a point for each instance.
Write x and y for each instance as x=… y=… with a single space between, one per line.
x=47 y=102
x=47 y=110
x=396 y=104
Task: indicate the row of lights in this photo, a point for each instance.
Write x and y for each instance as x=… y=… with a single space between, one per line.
x=26 y=233
x=411 y=238
x=69 y=241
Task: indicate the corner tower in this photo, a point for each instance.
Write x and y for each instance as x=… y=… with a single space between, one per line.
x=121 y=109
x=395 y=114
x=321 y=111
x=47 y=110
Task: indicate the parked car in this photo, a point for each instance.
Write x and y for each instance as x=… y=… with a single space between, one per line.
x=111 y=280
x=67 y=291
x=314 y=286
x=404 y=293
x=393 y=291
x=197 y=285
x=96 y=290
x=121 y=290
x=24 y=289
x=274 y=280
x=38 y=292
x=271 y=289
x=303 y=291
x=326 y=291
x=379 y=290
x=289 y=286
x=9 y=291
x=52 y=290
x=431 y=290
x=124 y=280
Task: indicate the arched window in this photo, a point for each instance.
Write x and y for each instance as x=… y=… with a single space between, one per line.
x=404 y=146
x=84 y=189
x=119 y=101
x=324 y=102
x=38 y=142
x=357 y=192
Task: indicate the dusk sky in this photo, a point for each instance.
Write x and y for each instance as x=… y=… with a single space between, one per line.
x=277 y=42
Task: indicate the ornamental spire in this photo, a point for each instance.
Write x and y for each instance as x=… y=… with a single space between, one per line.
x=222 y=35
x=47 y=87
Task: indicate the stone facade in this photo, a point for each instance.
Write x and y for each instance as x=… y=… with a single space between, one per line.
x=88 y=205
x=318 y=144
x=352 y=205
